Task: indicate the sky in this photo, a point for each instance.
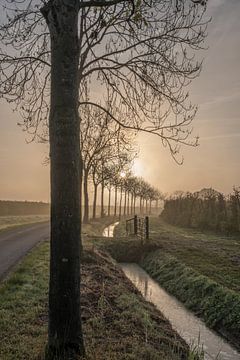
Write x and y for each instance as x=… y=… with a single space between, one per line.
x=215 y=163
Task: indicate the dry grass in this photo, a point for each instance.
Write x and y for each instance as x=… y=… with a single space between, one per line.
x=13 y=221
x=117 y=322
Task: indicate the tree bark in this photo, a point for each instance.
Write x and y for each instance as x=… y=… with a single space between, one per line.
x=125 y=203
x=95 y=201
x=115 y=205
x=86 y=198
x=120 y=203
x=134 y=204
x=109 y=201
x=131 y=203
x=128 y=210
x=102 y=199
x=64 y=333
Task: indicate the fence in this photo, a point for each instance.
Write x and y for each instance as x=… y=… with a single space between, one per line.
x=138 y=226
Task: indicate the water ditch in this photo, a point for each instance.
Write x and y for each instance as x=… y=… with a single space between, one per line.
x=189 y=327
x=108 y=231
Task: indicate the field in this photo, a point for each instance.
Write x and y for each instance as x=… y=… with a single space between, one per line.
x=12 y=221
x=216 y=256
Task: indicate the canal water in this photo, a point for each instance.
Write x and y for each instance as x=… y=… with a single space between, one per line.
x=189 y=327
x=108 y=231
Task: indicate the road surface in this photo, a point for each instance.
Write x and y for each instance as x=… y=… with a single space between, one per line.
x=15 y=243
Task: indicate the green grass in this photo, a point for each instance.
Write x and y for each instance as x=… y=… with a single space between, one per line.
x=200 y=269
x=7 y=222
x=217 y=305
x=216 y=256
x=22 y=305
x=117 y=322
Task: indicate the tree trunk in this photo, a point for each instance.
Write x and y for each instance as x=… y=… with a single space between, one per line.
x=109 y=201
x=115 y=205
x=86 y=198
x=134 y=204
x=95 y=200
x=131 y=203
x=102 y=199
x=128 y=210
x=64 y=333
x=125 y=203
x=81 y=183
x=120 y=204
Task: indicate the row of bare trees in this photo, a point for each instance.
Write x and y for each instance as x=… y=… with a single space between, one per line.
x=107 y=153
x=136 y=196
x=207 y=209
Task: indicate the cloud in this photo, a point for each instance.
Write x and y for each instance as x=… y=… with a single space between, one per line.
x=221 y=136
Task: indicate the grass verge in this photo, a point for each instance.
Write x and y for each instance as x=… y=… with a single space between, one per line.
x=200 y=269
x=117 y=322
x=218 y=306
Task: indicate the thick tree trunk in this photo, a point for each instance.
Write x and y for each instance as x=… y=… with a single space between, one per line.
x=95 y=201
x=81 y=181
x=86 y=198
x=109 y=201
x=65 y=333
x=102 y=199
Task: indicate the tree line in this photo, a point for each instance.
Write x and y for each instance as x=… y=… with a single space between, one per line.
x=107 y=155
x=206 y=209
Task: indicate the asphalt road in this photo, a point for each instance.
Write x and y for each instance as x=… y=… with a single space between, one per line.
x=15 y=243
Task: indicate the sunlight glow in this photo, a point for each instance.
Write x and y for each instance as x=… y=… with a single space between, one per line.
x=137 y=168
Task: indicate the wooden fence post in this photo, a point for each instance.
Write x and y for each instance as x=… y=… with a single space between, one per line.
x=135 y=225
x=147 y=227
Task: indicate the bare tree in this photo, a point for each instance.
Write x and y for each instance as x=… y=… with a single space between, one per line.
x=137 y=53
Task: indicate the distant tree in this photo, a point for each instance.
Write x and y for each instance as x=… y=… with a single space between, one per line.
x=206 y=209
x=234 y=205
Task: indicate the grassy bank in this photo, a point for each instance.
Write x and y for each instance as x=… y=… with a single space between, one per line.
x=200 y=269
x=215 y=256
x=117 y=322
x=218 y=306
x=7 y=222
